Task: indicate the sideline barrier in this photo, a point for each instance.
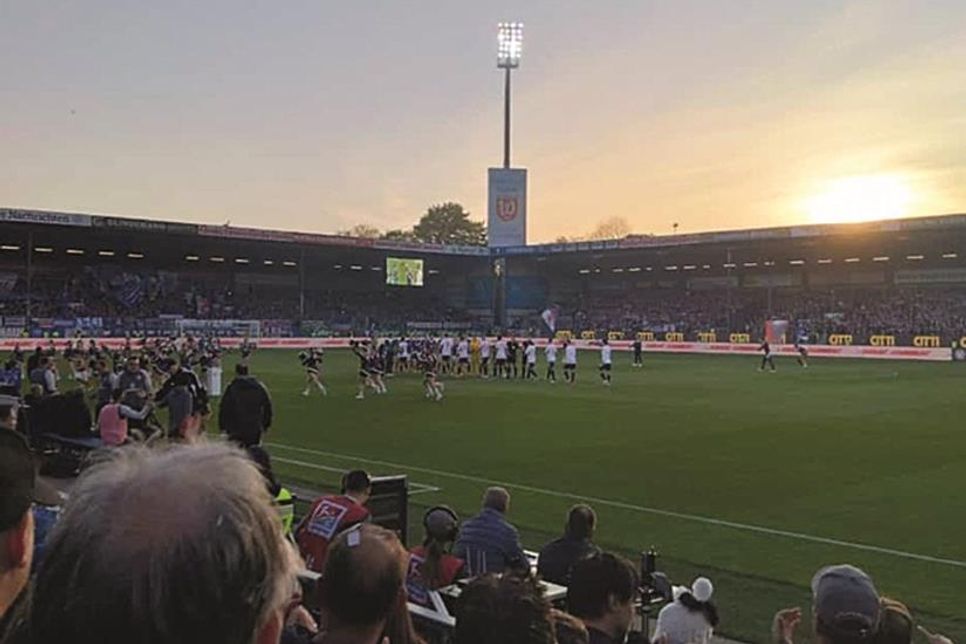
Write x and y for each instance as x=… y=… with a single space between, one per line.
x=940 y=354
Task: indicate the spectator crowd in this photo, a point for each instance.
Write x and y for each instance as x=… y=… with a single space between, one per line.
x=183 y=543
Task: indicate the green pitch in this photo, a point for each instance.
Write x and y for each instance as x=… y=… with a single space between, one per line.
x=754 y=479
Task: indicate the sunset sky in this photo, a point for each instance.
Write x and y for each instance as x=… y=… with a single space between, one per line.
x=316 y=115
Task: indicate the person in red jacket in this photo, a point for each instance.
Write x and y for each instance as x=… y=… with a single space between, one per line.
x=331 y=515
x=431 y=566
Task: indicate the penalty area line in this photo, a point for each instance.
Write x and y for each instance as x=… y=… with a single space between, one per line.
x=684 y=516
x=420 y=488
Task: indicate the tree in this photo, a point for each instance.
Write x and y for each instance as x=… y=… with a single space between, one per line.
x=361 y=230
x=612 y=228
x=400 y=235
x=448 y=223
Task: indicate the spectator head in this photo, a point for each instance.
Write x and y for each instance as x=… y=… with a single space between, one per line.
x=9 y=406
x=358 y=485
x=508 y=608
x=263 y=462
x=19 y=489
x=568 y=629
x=845 y=605
x=215 y=569
x=133 y=364
x=362 y=586
x=116 y=394
x=442 y=528
x=241 y=369
x=896 y=625
x=601 y=593
x=497 y=498
x=697 y=599
x=581 y=521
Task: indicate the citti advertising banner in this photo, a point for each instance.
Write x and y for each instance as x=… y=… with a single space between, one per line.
x=507 y=211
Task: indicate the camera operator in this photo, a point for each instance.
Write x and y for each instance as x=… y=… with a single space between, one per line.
x=601 y=594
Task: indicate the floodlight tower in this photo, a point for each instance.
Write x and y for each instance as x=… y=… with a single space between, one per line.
x=509 y=50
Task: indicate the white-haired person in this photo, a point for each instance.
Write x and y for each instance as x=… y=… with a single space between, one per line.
x=691 y=618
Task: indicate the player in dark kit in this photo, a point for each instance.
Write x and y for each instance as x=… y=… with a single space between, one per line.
x=766 y=358
x=365 y=377
x=802 y=358
x=312 y=362
x=432 y=386
x=511 y=358
x=246 y=348
x=638 y=353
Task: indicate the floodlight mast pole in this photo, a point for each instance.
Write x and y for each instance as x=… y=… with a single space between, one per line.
x=506 y=119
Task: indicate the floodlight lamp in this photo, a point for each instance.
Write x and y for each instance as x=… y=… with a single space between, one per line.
x=509 y=44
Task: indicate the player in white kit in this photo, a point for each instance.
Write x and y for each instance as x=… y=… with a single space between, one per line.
x=446 y=353
x=485 y=357
x=501 y=354
x=550 y=351
x=605 y=363
x=402 y=363
x=530 y=356
x=570 y=362
x=463 y=357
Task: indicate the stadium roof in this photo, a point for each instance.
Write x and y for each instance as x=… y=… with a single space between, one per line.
x=54 y=218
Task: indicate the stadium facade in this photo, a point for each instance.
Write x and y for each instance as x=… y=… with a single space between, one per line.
x=896 y=282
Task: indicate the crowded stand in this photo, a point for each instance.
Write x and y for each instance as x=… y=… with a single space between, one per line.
x=106 y=578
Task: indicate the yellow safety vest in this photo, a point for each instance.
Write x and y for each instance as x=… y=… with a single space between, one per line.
x=285 y=503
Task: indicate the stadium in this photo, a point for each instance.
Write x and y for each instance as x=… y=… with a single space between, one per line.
x=246 y=397
x=753 y=479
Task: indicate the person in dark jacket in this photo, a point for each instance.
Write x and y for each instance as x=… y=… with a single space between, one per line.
x=246 y=409
x=186 y=400
x=558 y=557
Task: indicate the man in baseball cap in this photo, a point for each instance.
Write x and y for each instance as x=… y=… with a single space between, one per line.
x=845 y=603
x=845 y=606
x=19 y=490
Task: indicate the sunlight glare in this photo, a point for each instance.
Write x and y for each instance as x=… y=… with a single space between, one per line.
x=860 y=198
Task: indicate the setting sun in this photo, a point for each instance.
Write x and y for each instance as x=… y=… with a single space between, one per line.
x=860 y=198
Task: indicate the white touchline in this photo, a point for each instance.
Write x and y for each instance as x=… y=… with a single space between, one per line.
x=640 y=508
x=423 y=488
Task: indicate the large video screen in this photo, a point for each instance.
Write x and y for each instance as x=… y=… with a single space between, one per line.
x=404 y=272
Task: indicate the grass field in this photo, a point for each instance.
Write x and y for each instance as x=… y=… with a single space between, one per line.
x=754 y=479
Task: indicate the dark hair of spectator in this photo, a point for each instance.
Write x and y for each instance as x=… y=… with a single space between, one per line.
x=116 y=394
x=356 y=481
x=263 y=462
x=506 y=609
x=595 y=580
x=359 y=595
x=568 y=629
x=896 y=625
x=241 y=369
x=708 y=609
x=581 y=522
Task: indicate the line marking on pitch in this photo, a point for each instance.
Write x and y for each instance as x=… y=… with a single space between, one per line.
x=421 y=488
x=800 y=536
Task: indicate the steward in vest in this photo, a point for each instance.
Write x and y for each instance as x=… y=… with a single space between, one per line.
x=284 y=500
x=331 y=515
